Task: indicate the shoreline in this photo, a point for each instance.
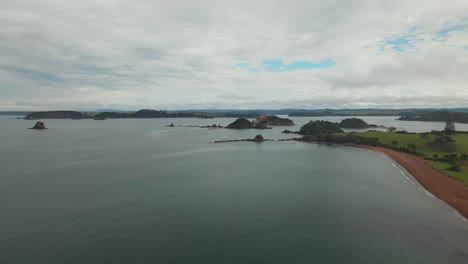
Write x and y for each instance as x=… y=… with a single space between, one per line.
x=448 y=189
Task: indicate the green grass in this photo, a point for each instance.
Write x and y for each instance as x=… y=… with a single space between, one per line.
x=442 y=167
x=462 y=143
x=422 y=146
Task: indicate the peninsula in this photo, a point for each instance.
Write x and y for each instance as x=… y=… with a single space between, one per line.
x=438 y=160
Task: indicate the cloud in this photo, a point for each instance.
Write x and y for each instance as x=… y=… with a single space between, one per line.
x=156 y=54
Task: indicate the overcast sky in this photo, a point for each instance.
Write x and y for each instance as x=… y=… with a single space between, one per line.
x=232 y=54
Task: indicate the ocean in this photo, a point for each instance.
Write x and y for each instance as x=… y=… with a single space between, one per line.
x=137 y=191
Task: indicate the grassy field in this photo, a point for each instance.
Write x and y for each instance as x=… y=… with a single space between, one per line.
x=423 y=145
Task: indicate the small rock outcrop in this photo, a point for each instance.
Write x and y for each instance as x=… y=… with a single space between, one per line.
x=258 y=138
x=290 y=132
x=39 y=125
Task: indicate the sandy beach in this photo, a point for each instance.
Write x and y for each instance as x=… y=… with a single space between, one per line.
x=446 y=188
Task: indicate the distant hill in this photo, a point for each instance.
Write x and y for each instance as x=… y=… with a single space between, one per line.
x=366 y=112
x=407 y=114
x=55 y=115
x=16 y=113
x=144 y=113
x=444 y=116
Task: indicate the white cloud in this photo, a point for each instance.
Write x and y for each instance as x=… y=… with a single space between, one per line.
x=161 y=54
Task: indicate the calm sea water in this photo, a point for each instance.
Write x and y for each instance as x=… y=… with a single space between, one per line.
x=135 y=191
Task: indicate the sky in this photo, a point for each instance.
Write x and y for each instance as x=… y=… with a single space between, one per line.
x=112 y=54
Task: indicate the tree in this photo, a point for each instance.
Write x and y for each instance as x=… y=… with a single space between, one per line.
x=449 y=127
x=436 y=156
x=411 y=146
x=454 y=167
x=395 y=142
x=391 y=129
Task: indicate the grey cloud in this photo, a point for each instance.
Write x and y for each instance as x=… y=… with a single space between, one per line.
x=163 y=54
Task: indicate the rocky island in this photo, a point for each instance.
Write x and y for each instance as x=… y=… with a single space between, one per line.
x=273 y=121
x=261 y=122
x=39 y=126
x=242 y=123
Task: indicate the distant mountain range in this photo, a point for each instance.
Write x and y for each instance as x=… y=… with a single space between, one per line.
x=428 y=114
x=15 y=113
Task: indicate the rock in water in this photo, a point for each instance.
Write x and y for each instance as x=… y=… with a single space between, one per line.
x=39 y=125
x=258 y=138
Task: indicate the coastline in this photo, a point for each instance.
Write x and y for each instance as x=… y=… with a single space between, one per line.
x=446 y=188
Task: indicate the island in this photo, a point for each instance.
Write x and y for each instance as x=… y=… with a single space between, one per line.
x=273 y=120
x=39 y=126
x=261 y=122
x=242 y=123
x=357 y=123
